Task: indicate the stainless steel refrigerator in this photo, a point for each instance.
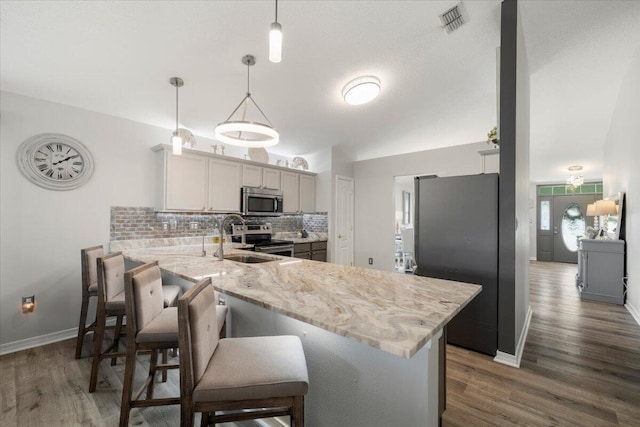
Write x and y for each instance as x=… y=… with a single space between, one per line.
x=456 y=238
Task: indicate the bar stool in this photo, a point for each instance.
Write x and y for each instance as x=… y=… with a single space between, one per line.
x=110 y=273
x=150 y=326
x=265 y=374
x=89 y=285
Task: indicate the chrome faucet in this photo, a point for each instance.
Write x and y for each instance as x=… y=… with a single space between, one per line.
x=227 y=220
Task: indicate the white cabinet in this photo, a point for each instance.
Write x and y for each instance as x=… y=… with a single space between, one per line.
x=251 y=176
x=307 y=193
x=271 y=178
x=290 y=186
x=185 y=182
x=225 y=182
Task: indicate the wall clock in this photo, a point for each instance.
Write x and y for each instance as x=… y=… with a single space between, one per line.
x=55 y=161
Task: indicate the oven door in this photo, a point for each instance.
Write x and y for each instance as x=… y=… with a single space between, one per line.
x=283 y=250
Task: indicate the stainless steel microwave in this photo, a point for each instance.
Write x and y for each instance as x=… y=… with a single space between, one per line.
x=261 y=201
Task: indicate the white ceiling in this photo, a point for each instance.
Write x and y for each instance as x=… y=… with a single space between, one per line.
x=438 y=89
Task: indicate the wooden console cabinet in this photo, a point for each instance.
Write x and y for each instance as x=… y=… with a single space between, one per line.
x=601 y=270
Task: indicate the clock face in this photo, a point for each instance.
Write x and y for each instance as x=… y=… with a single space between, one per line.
x=55 y=161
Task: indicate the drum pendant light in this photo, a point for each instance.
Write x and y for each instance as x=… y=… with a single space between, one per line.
x=176 y=139
x=245 y=133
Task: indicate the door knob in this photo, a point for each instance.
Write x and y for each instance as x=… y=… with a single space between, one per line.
x=340 y=236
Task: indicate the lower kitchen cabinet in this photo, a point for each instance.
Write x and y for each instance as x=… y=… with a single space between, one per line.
x=316 y=251
x=601 y=270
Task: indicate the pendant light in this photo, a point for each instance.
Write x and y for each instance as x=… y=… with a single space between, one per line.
x=176 y=139
x=275 y=40
x=245 y=133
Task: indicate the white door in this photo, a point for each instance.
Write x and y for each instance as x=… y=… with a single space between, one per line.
x=290 y=186
x=307 y=193
x=225 y=181
x=344 y=221
x=186 y=182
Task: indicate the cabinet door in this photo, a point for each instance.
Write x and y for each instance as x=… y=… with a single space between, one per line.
x=186 y=182
x=290 y=186
x=225 y=182
x=252 y=176
x=319 y=256
x=271 y=178
x=307 y=193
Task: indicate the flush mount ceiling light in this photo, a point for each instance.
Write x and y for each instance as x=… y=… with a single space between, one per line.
x=176 y=139
x=275 y=40
x=246 y=133
x=361 y=90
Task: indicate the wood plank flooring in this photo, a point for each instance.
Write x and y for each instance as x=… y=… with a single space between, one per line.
x=580 y=367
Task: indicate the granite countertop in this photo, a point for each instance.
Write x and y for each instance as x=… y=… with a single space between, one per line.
x=393 y=312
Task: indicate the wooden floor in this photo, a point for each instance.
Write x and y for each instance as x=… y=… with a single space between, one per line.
x=581 y=367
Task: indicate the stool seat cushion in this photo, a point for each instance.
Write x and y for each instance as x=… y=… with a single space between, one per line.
x=221 y=315
x=170 y=294
x=116 y=303
x=161 y=329
x=254 y=368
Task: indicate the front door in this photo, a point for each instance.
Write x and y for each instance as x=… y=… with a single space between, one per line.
x=569 y=222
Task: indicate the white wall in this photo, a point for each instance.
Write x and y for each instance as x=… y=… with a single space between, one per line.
x=375 y=194
x=522 y=186
x=404 y=184
x=621 y=171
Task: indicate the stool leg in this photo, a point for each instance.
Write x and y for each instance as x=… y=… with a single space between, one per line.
x=127 y=385
x=153 y=362
x=98 y=336
x=165 y=360
x=116 y=338
x=297 y=412
x=84 y=308
x=205 y=421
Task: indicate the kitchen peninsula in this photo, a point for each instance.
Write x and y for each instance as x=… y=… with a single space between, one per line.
x=371 y=337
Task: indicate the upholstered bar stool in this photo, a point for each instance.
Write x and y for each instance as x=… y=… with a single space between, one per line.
x=110 y=273
x=150 y=326
x=89 y=285
x=265 y=374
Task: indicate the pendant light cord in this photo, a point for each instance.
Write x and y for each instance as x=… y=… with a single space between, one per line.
x=248 y=70
x=276 y=10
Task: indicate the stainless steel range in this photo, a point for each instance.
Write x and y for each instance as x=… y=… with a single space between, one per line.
x=259 y=235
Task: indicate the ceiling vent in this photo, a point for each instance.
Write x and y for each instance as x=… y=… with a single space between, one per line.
x=454 y=18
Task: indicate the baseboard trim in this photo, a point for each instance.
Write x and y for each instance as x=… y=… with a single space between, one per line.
x=635 y=313
x=514 y=360
x=27 y=343
x=533 y=258
x=38 y=341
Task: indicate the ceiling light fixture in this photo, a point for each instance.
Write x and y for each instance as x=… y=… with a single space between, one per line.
x=275 y=40
x=361 y=90
x=246 y=133
x=575 y=180
x=176 y=139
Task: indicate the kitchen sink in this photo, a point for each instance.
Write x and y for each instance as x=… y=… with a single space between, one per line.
x=248 y=259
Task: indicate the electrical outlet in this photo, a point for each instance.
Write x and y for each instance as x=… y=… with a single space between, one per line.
x=193 y=225
x=370 y=261
x=165 y=226
x=28 y=304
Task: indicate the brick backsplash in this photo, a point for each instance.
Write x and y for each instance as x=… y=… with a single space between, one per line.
x=132 y=223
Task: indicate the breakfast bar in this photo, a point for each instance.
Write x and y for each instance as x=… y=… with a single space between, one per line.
x=372 y=338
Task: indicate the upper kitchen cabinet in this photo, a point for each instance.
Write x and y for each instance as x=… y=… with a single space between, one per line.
x=184 y=182
x=251 y=176
x=307 y=193
x=205 y=182
x=225 y=182
x=290 y=186
x=271 y=178
x=255 y=176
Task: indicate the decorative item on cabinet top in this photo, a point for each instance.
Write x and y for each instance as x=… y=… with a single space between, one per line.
x=279 y=166
x=299 y=163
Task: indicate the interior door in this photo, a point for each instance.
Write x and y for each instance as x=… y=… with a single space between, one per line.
x=569 y=222
x=344 y=221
